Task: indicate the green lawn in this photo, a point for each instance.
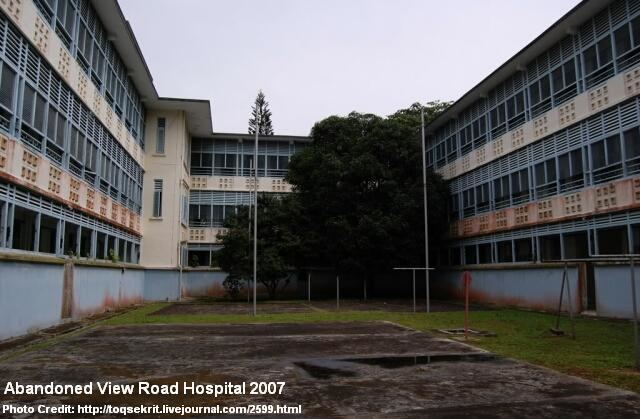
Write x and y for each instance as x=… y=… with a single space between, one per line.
x=602 y=350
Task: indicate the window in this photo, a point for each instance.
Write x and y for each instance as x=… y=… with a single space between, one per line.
x=622 y=38
x=632 y=150
x=24 y=222
x=501 y=191
x=545 y=178
x=597 y=55
x=482 y=197
x=540 y=90
x=570 y=170
x=470 y=257
x=520 y=186
x=451 y=147
x=7 y=86
x=550 y=248
x=612 y=241
x=160 y=136
x=157 y=198
x=605 y=159
x=468 y=202
x=563 y=76
x=454 y=207
x=505 y=251
x=524 y=251
x=484 y=252
x=576 y=245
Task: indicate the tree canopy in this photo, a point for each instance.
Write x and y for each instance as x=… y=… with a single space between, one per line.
x=360 y=185
x=260 y=116
x=278 y=244
x=357 y=206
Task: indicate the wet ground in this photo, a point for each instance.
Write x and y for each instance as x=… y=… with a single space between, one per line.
x=356 y=369
x=395 y=305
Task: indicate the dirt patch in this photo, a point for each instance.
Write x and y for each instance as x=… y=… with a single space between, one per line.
x=202 y=307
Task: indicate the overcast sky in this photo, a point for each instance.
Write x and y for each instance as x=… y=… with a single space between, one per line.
x=316 y=58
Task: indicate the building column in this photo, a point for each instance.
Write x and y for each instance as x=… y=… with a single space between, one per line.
x=60 y=237
x=94 y=242
x=4 y=208
x=78 y=239
x=36 y=233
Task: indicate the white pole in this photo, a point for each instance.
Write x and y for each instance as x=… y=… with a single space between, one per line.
x=250 y=194
x=255 y=222
x=180 y=262
x=426 y=226
x=414 y=290
x=338 y=292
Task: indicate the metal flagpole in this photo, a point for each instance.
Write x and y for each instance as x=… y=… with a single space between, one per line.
x=250 y=195
x=426 y=226
x=255 y=220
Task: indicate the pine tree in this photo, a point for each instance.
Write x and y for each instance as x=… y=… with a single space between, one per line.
x=260 y=116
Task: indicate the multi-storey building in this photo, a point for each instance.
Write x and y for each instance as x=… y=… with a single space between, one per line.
x=543 y=155
x=93 y=162
x=222 y=179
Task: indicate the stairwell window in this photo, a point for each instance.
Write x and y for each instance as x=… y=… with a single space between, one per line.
x=160 y=134
x=157 y=198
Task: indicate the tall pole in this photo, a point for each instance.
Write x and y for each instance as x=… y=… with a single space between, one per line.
x=635 y=312
x=426 y=226
x=250 y=195
x=255 y=222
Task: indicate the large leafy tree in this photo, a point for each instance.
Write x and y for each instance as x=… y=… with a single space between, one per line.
x=278 y=243
x=260 y=116
x=411 y=116
x=360 y=185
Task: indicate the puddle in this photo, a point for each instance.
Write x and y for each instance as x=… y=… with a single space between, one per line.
x=391 y=362
x=469 y=331
x=323 y=372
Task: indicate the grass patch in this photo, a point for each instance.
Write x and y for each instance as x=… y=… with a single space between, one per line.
x=602 y=350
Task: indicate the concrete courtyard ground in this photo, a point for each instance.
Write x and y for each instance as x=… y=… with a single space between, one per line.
x=331 y=368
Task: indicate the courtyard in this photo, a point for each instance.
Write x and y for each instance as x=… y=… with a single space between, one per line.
x=364 y=363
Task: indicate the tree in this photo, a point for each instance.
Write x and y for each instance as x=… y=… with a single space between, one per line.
x=260 y=116
x=278 y=244
x=360 y=186
x=411 y=116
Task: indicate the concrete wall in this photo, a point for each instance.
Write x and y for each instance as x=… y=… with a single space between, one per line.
x=203 y=283
x=32 y=291
x=530 y=286
x=32 y=294
x=613 y=290
x=161 y=285
x=30 y=297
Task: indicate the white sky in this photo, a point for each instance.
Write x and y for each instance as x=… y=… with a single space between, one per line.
x=316 y=58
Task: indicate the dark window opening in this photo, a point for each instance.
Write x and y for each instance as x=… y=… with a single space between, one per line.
x=550 y=248
x=71 y=239
x=576 y=245
x=613 y=241
x=484 y=253
x=505 y=251
x=48 y=234
x=524 y=250
x=24 y=228
x=470 y=257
